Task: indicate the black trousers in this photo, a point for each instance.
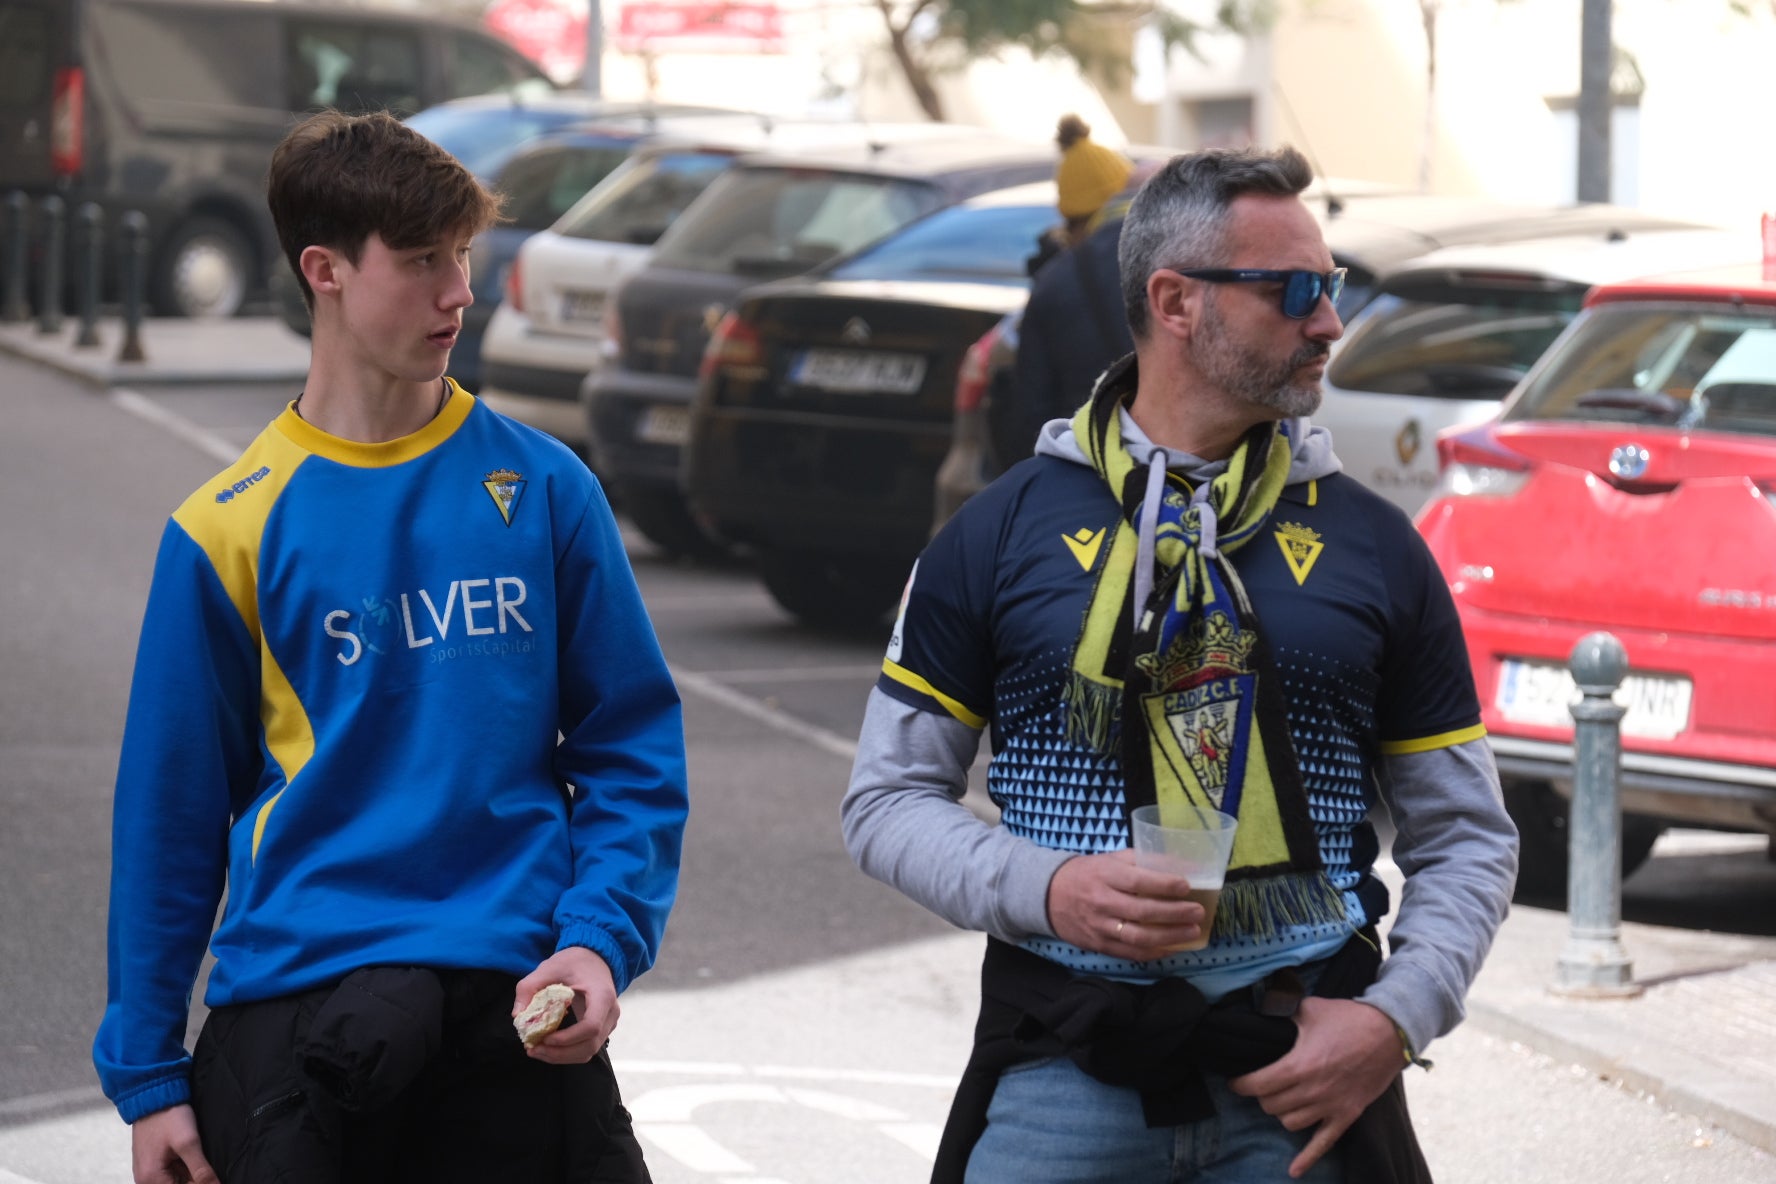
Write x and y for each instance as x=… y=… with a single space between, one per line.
x=477 y=1109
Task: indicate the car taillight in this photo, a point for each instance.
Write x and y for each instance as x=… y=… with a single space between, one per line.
x=971 y=380
x=734 y=344
x=1473 y=463
x=515 y=284
x=67 y=122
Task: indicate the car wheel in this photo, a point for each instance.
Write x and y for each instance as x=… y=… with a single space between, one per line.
x=665 y=521
x=840 y=593
x=205 y=272
x=1543 y=818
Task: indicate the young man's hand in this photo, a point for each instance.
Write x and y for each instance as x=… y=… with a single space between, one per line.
x=1105 y=904
x=1345 y=1055
x=164 y=1149
x=595 y=1005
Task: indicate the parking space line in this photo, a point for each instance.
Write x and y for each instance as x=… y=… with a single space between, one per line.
x=171 y=422
x=763 y=713
x=856 y=671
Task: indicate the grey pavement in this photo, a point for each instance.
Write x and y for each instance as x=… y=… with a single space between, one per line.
x=178 y=351
x=1699 y=1039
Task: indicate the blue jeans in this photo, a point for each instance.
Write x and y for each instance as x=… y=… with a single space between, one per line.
x=1050 y=1123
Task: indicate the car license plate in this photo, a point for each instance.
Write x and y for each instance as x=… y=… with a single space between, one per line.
x=582 y=308
x=1542 y=694
x=664 y=425
x=857 y=372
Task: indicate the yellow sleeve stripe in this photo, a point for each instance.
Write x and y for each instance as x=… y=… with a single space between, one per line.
x=1313 y=493
x=1432 y=743
x=907 y=678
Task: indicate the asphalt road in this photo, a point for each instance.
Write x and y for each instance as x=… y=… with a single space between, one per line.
x=836 y=1001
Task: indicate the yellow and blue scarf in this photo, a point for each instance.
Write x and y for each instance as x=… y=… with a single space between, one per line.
x=1182 y=687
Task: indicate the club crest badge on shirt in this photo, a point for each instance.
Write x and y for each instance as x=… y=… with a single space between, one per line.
x=506 y=488
x=1301 y=547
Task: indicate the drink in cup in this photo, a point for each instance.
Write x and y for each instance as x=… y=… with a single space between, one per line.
x=1193 y=842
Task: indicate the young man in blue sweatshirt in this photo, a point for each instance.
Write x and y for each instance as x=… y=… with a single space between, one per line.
x=397 y=693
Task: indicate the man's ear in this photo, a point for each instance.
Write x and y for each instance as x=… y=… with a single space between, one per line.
x=1173 y=303
x=321 y=267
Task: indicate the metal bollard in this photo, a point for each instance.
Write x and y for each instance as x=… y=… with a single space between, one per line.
x=87 y=232
x=49 y=292
x=132 y=274
x=1594 y=964
x=15 y=308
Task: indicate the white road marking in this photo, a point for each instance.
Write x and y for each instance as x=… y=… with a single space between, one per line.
x=691 y=1146
x=765 y=714
x=855 y=672
x=172 y=422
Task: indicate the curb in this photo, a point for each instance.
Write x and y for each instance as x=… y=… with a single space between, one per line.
x=1677 y=1079
x=97 y=368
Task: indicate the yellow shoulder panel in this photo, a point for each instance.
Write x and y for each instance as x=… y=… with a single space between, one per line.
x=227 y=516
x=227 y=519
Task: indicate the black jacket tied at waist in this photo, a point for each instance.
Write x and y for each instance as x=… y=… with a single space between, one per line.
x=1160 y=1039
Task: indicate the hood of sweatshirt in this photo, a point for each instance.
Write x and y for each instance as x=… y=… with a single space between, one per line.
x=1312 y=459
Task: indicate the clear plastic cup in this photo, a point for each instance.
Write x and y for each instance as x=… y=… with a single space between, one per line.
x=1194 y=842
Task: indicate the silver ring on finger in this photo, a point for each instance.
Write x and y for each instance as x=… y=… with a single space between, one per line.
x=1119 y=926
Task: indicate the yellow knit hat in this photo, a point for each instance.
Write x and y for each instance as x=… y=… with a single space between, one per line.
x=1089 y=175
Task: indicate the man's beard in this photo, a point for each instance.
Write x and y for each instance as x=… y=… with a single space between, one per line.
x=1253 y=379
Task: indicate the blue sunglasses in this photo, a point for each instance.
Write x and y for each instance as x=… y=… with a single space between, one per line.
x=1301 y=289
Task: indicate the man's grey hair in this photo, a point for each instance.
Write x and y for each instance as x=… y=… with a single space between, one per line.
x=1179 y=218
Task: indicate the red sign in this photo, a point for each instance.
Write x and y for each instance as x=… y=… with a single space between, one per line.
x=753 y=28
x=551 y=33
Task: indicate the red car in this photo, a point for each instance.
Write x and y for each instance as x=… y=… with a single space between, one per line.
x=1628 y=485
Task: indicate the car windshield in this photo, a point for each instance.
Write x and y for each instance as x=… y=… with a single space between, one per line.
x=779 y=221
x=1710 y=368
x=484 y=138
x=980 y=244
x=541 y=185
x=637 y=202
x=1452 y=341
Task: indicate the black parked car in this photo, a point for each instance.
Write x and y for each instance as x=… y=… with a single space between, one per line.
x=766 y=218
x=173 y=107
x=824 y=406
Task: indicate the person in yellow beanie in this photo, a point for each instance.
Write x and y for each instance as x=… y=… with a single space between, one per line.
x=1087 y=176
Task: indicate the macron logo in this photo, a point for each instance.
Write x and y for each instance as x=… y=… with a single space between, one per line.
x=244 y=484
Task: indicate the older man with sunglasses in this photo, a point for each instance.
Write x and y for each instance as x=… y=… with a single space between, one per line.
x=1181 y=600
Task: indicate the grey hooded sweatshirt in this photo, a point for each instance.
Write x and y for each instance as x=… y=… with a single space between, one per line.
x=906 y=821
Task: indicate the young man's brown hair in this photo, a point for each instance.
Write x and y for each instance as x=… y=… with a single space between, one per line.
x=338 y=179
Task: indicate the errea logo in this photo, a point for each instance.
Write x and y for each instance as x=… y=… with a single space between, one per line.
x=245 y=483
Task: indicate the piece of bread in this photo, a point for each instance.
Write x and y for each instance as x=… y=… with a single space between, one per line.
x=543 y=1014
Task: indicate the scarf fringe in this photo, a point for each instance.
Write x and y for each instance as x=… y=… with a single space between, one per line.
x=1262 y=908
x=1094 y=714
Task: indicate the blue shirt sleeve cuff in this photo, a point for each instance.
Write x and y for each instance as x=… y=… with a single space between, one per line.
x=156 y=1096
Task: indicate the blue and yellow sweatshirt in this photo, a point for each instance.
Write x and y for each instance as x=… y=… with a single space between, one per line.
x=403 y=702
